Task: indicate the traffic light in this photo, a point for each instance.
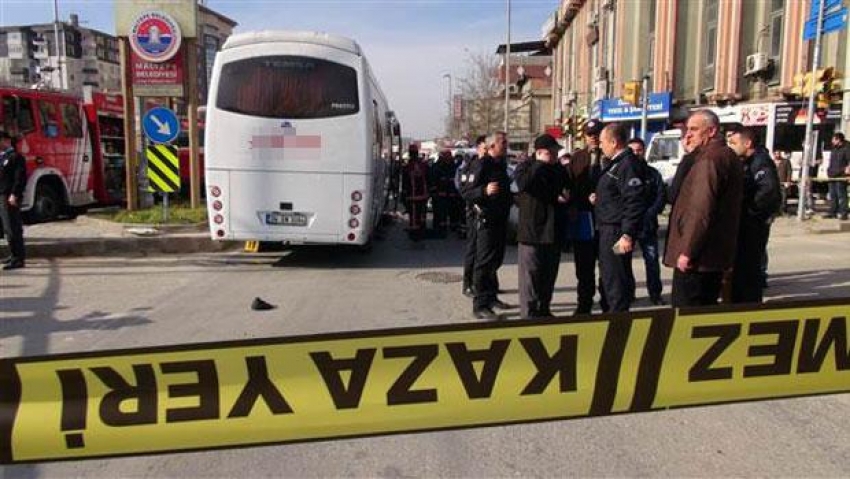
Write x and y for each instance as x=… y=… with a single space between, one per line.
x=631 y=92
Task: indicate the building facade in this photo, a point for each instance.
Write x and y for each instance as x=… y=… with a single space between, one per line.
x=87 y=57
x=745 y=59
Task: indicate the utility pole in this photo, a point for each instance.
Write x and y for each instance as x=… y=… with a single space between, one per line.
x=644 y=105
x=508 y=70
x=809 y=147
x=57 y=69
x=449 y=104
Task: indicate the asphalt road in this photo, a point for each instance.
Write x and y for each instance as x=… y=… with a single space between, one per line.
x=84 y=304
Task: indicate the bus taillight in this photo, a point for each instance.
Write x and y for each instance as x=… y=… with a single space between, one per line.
x=215 y=191
x=217 y=205
x=353 y=223
x=218 y=219
x=356 y=196
x=355 y=210
x=220 y=233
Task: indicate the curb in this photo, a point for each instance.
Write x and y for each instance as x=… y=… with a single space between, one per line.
x=153 y=246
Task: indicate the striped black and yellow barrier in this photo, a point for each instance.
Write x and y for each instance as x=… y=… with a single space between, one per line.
x=163 y=170
x=362 y=383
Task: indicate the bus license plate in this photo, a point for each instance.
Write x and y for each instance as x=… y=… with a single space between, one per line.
x=286 y=218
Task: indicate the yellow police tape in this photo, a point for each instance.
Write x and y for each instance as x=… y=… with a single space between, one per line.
x=190 y=397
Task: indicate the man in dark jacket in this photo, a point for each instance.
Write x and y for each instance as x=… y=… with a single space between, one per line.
x=656 y=198
x=463 y=180
x=839 y=160
x=704 y=222
x=13 y=180
x=488 y=188
x=540 y=181
x=785 y=171
x=761 y=201
x=442 y=190
x=620 y=206
x=582 y=174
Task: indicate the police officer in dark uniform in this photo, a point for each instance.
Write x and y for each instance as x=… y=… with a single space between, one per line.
x=762 y=200
x=620 y=207
x=583 y=172
x=13 y=180
x=488 y=189
x=442 y=189
x=465 y=179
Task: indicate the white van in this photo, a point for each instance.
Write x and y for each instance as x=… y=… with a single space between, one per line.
x=664 y=153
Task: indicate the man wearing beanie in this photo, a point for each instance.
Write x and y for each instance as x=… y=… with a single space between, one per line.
x=540 y=181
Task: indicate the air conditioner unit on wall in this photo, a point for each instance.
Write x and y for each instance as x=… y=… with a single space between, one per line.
x=600 y=73
x=756 y=63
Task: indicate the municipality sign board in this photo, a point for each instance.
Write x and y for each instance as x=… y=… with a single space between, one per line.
x=160 y=125
x=184 y=12
x=155 y=36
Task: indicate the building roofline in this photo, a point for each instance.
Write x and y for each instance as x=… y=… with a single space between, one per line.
x=50 y=25
x=204 y=9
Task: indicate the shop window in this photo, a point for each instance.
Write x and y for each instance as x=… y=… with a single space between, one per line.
x=710 y=44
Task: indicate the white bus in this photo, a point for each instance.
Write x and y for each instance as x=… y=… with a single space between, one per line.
x=298 y=140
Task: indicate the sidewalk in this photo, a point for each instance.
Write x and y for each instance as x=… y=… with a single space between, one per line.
x=88 y=236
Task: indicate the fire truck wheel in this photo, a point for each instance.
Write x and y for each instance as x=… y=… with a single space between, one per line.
x=48 y=204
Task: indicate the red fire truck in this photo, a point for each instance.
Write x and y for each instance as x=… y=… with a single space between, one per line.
x=74 y=149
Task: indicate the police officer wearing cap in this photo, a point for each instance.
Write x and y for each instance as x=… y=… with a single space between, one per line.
x=620 y=206
x=488 y=189
x=540 y=182
x=582 y=173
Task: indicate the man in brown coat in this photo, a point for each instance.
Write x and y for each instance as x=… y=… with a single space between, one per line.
x=704 y=221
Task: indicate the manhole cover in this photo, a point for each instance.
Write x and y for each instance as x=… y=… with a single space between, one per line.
x=440 y=278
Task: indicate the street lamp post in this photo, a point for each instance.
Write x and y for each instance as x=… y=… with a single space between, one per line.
x=449 y=104
x=508 y=69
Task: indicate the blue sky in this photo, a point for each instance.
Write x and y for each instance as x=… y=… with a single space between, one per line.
x=411 y=44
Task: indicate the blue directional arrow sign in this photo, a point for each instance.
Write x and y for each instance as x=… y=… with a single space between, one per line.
x=828 y=5
x=160 y=125
x=832 y=22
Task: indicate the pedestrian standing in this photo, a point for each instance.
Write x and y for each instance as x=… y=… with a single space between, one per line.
x=442 y=190
x=648 y=237
x=582 y=173
x=12 y=183
x=761 y=201
x=415 y=186
x=838 y=171
x=620 y=206
x=488 y=189
x=705 y=218
x=540 y=182
x=784 y=171
x=465 y=180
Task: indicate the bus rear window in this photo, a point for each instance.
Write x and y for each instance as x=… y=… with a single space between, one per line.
x=288 y=87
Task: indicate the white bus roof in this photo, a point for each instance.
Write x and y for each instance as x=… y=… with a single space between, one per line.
x=292 y=36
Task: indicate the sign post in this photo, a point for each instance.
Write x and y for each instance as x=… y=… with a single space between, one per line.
x=809 y=147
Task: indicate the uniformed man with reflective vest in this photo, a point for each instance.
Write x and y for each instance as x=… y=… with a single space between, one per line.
x=415 y=187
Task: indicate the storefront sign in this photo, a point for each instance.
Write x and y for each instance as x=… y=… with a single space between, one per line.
x=616 y=109
x=796 y=113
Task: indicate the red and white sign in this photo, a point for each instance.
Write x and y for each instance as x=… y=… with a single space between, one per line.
x=155 y=36
x=157 y=79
